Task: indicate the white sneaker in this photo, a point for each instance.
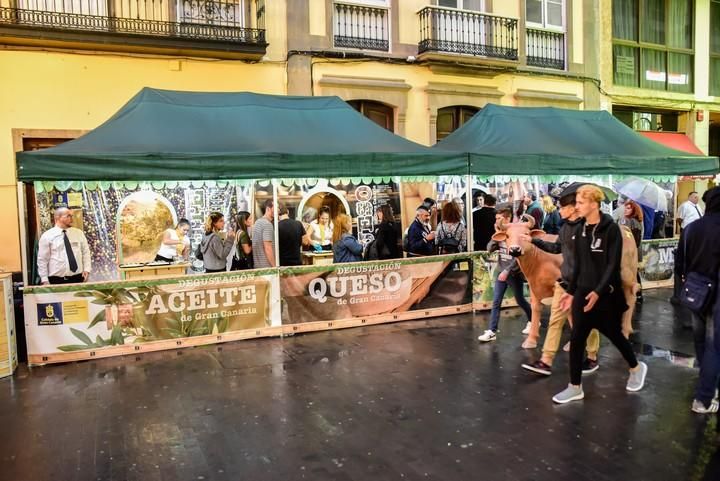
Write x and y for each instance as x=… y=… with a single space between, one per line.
x=526 y=331
x=698 y=407
x=636 y=381
x=487 y=336
x=571 y=393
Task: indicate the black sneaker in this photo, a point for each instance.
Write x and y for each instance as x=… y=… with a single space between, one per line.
x=538 y=367
x=590 y=366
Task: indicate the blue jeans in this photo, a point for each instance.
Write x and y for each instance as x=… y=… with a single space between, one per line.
x=708 y=358
x=515 y=283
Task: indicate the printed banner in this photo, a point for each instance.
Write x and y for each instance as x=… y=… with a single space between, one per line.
x=96 y=316
x=658 y=261
x=346 y=291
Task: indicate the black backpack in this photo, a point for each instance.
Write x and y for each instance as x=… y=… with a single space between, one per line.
x=198 y=249
x=449 y=244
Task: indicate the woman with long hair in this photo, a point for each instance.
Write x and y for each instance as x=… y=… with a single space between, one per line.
x=451 y=234
x=216 y=245
x=632 y=218
x=346 y=248
x=243 y=258
x=551 y=223
x=321 y=230
x=175 y=242
x=386 y=234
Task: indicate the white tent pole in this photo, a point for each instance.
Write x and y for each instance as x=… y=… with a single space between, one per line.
x=22 y=218
x=276 y=249
x=469 y=205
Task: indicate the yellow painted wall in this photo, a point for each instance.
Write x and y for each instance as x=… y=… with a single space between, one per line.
x=409 y=20
x=506 y=8
x=418 y=77
x=49 y=90
x=316 y=14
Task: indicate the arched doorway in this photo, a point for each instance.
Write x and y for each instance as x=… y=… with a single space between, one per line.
x=449 y=119
x=381 y=114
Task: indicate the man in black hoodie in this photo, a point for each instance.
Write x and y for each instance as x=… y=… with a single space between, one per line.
x=565 y=245
x=699 y=251
x=595 y=292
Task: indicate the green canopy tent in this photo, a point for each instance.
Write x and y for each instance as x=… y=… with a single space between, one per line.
x=171 y=135
x=551 y=141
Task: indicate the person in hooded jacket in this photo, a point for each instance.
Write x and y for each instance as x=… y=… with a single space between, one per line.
x=565 y=245
x=595 y=292
x=699 y=251
x=216 y=245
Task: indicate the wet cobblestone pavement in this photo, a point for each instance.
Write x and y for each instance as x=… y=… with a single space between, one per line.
x=413 y=400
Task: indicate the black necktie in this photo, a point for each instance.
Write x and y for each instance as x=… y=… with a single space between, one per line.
x=70 y=254
x=698 y=210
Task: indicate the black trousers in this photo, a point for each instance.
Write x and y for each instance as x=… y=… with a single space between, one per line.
x=76 y=279
x=606 y=317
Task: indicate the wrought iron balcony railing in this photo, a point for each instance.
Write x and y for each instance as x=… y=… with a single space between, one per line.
x=361 y=27
x=236 y=21
x=447 y=30
x=545 y=48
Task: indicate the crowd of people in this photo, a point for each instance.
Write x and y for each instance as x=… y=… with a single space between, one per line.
x=588 y=294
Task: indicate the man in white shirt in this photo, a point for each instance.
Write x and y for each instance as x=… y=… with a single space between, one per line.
x=689 y=211
x=63 y=252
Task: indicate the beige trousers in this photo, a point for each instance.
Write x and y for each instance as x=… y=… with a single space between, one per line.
x=555 y=327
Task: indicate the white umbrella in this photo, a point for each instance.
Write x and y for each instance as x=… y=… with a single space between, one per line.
x=644 y=192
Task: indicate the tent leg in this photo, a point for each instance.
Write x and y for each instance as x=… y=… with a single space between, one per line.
x=22 y=218
x=469 y=206
x=276 y=224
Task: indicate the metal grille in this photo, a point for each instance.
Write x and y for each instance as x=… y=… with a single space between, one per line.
x=358 y=26
x=205 y=20
x=468 y=33
x=545 y=49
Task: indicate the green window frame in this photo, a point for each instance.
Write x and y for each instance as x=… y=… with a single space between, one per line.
x=715 y=48
x=653 y=44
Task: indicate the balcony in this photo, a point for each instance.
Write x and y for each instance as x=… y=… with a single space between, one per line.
x=545 y=49
x=361 y=27
x=234 y=25
x=453 y=31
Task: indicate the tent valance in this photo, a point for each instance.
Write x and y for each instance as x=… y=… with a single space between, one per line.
x=547 y=141
x=170 y=135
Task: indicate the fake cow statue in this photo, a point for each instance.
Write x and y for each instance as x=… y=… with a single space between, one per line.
x=542 y=270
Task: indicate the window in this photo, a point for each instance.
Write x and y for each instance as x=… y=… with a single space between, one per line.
x=449 y=119
x=653 y=44
x=665 y=121
x=381 y=114
x=545 y=13
x=715 y=47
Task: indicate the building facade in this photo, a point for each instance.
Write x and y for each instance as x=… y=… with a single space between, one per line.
x=419 y=68
x=660 y=69
x=422 y=67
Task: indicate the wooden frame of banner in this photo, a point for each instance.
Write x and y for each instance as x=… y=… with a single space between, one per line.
x=273 y=331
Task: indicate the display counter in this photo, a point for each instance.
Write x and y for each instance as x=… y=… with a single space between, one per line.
x=322 y=258
x=152 y=271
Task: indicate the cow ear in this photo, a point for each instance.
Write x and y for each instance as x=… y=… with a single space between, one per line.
x=537 y=232
x=499 y=236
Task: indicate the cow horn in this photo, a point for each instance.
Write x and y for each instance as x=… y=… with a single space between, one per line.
x=530 y=220
x=502 y=226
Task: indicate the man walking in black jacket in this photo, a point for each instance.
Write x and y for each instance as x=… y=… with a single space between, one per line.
x=565 y=245
x=699 y=251
x=595 y=293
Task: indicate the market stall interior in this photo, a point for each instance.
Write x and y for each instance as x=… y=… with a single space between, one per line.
x=187 y=154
